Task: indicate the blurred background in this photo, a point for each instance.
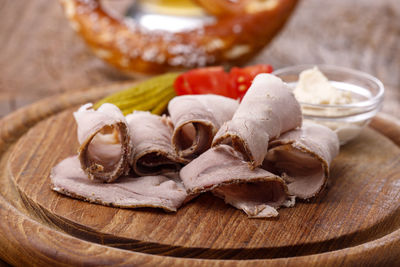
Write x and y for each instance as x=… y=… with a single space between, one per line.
x=41 y=55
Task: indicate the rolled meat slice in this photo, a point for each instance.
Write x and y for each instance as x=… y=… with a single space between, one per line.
x=152 y=152
x=302 y=157
x=104 y=138
x=159 y=191
x=197 y=118
x=267 y=110
x=221 y=170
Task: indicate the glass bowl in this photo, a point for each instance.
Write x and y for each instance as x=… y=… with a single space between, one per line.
x=346 y=120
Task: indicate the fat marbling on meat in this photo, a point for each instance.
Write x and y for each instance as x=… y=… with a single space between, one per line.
x=157 y=191
x=302 y=157
x=105 y=146
x=267 y=110
x=222 y=170
x=197 y=118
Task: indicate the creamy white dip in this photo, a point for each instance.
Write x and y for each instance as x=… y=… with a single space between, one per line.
x=314 y=88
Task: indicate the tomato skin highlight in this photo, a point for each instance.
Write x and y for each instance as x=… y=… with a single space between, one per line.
x=214 y=80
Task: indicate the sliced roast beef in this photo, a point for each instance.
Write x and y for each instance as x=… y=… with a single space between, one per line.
x=104 y=139
x=302 y=157
x=151 y=141
x=222 y=170
x=149 y=191
x=197 y=118
x=268 y=109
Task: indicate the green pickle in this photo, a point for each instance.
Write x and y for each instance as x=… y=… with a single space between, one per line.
x=151 y=95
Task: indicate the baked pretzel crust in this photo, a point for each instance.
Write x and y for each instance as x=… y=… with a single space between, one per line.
x=232 y=39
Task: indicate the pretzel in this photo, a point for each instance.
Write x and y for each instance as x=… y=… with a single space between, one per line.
x=231 y=39
x=236 y=7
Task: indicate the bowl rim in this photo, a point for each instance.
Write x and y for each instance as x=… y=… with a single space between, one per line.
x=371 y=102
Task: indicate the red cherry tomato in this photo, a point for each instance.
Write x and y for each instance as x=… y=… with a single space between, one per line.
x=241 y=78
x=214 y=80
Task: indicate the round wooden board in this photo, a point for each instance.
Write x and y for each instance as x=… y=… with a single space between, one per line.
x=356 y=219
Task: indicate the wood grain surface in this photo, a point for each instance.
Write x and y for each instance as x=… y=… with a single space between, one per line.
x=363 y=194
x=41 y=55
x=356 y=220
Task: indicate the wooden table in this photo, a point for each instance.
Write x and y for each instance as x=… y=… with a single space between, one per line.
x=41 y=55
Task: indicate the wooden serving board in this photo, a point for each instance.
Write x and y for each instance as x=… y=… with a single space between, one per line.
x=355 y=221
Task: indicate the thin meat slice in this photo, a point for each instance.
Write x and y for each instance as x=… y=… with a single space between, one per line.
x=267 y=110
x=302 y=157
x=257 y=199
x=221 y=170
x=151 y=141
x=197 y=118
x=150 y=191
x=104 y=138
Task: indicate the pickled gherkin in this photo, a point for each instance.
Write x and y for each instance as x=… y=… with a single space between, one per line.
x=151 y=95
